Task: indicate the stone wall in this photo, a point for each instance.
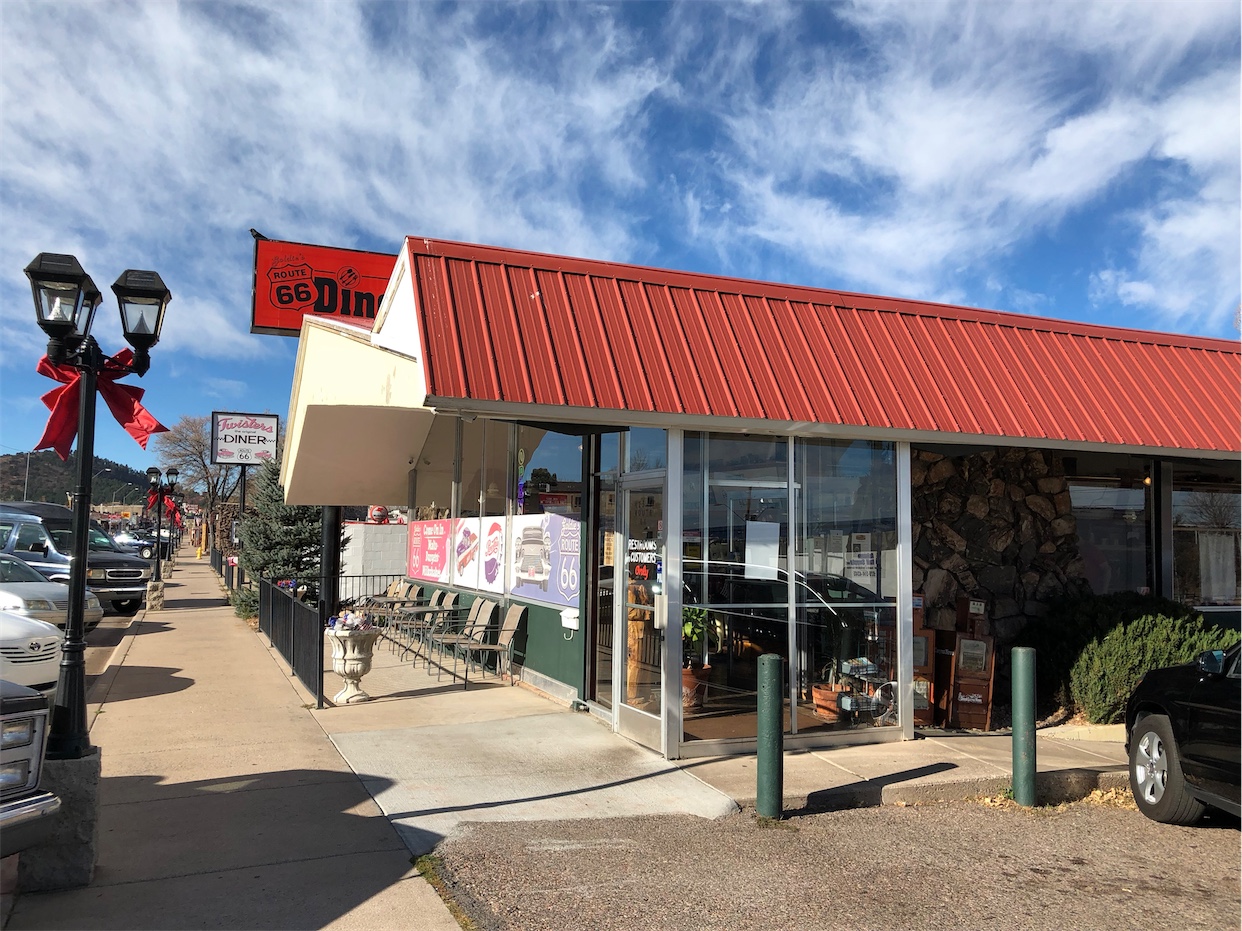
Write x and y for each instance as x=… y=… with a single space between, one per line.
x=996 y=525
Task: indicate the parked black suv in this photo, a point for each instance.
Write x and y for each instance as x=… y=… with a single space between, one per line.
x=1184 y=739
x=41 y=534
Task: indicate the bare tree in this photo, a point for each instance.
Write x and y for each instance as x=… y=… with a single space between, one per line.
x=1209 y=510
x=187 y=446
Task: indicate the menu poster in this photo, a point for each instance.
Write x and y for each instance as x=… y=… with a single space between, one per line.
x=547 y=559
x=467 y=545
x=763 y=547
x=860 y=542
x=491 y=572
x=834 y=554
x=429 y=543
x=861 y=568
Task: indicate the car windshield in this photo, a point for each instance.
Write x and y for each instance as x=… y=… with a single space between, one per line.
x=100 y=540
x=14 y=570
x=97 y=539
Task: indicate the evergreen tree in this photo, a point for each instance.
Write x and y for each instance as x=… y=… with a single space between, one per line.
x=280 y=541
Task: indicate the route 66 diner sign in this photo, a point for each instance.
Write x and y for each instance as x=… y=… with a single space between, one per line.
x=243 y=439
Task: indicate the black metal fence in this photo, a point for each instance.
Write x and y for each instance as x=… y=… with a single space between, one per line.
x=217 y=561
x=230 y=576
x=294 y=629
x=353 y=587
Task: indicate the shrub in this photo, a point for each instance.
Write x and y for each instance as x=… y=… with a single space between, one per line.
x=1107 y=669
x=245 y=602
x=1071 y=624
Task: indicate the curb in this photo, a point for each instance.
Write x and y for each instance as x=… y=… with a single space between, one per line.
x=98 y=693
x=1053 y=788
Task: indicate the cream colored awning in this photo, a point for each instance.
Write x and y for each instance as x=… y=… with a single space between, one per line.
x=357 y=420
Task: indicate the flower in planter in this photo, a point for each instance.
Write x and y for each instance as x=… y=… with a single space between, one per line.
x=697 y=633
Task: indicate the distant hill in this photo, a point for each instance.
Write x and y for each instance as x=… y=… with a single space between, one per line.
x=52 y=480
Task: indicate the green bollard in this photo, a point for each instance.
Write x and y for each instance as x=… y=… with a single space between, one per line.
x=770 y=774
x=1023 y=662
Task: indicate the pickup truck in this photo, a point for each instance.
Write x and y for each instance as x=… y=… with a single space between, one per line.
x=25 y=810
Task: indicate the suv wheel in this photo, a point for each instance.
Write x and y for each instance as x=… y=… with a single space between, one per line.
x=1156 y=774
x=146 y=551
x=129 y=607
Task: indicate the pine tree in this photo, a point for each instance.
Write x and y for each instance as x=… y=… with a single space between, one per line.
x=280 y=541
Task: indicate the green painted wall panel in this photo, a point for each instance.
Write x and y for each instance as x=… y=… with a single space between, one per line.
x=542 y=646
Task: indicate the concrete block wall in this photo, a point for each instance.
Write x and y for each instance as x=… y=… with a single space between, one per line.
x=374 y=549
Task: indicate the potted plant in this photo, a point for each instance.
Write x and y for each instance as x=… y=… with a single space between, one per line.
x=697 y=637
x=826 y=692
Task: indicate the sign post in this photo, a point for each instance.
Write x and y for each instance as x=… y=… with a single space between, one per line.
x=243 y=440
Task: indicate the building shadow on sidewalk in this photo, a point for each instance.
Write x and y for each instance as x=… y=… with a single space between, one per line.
x=867 y=793
x=145 y=682
x=213 y=601
x=295 y=848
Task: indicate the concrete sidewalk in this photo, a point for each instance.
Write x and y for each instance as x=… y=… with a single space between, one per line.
x=229 y=801
x=222 y=803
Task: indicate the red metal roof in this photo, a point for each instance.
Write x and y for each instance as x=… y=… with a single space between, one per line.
x=520 y=327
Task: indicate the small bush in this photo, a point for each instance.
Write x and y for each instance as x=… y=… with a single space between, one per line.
x=1107 y=669
x=1071 y=624
x=245 y=602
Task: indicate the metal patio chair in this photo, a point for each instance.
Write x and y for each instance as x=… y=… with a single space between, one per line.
x=474 y=631
x=502 y=648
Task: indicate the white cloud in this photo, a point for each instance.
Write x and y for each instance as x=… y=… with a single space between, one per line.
x=930 y=150
x=180 y=126
x=961 y=132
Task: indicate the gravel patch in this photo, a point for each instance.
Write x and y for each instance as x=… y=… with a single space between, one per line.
x=1087 y=865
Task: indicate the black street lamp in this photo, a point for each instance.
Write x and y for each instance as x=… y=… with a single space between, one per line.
x=65 y=301
x=160 y=489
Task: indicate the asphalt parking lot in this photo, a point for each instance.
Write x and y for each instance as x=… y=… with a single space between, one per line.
x=1086 y=865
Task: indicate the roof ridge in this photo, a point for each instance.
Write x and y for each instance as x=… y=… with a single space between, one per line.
x=852 y=300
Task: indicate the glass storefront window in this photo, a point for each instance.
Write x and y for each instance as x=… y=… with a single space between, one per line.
x=741 y=588
x=610 y=467
x=1111 y=515
x=1206 y=506
x=644 y=554
x=646 y=448
x=549 y=473
x=433 y=483
x=846 y=584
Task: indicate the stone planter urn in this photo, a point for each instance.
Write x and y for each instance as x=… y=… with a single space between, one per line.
x=351 y=660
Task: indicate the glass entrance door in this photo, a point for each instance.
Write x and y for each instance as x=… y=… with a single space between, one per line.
x=642 y=598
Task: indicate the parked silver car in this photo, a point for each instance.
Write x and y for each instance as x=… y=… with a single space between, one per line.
x=30 y=653
x=28 y=592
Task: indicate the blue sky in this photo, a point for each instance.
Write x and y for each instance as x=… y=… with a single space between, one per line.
x=1068 y=159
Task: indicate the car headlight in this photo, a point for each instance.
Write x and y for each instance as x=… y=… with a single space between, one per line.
x=92 y=601
x=17 y=733
x=97 y=575
x=14 y=774
x=39 y=604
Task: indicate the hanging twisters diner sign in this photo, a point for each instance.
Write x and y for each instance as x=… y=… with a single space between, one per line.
x=243 y=439
x=293 y=279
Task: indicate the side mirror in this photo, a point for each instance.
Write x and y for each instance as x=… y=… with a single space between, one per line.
x=1212 y=662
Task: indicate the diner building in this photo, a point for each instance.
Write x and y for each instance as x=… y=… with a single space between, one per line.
x=677 y=473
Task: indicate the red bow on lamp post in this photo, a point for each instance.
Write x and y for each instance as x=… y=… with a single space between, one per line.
x=171 y=511
x=123 y=400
